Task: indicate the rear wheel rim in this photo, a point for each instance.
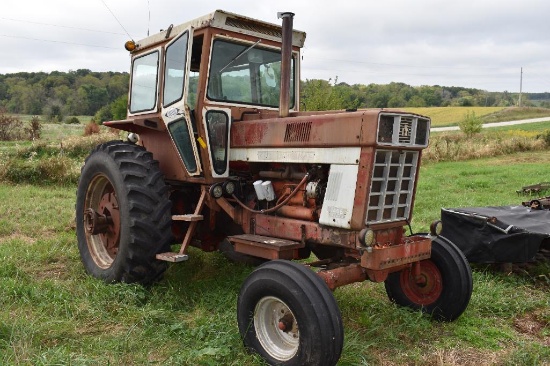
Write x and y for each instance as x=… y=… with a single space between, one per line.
x=426 y=289
x=101 y=197
x=276 y=328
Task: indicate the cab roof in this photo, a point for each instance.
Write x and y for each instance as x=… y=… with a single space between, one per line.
x=228 y=21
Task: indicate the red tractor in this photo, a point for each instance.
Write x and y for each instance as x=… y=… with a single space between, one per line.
x=219 y=156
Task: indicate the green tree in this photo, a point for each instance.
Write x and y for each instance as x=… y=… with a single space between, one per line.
x=470 y=124
x=396 y=101
x=119 y=107
x=416 y=101
x=319 y=95
x=95 y=97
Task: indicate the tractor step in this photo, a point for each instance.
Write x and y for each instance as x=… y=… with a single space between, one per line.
x=265 y=246
x=187 y=217
x=172 y=257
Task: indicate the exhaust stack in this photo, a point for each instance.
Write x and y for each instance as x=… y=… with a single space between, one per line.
x=286 y=59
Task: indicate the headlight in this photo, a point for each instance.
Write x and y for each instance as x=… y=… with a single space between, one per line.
x=216 y=191
x=229 y=187
x=366 y=237
x=436 y=227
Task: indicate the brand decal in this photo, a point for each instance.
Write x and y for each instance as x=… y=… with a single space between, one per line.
x=405 y=130
x=173 y=113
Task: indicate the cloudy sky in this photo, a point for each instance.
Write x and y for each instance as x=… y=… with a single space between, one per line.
x=471 y=43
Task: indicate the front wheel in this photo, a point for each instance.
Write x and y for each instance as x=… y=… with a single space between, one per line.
x=443 y=288
x=287 y=314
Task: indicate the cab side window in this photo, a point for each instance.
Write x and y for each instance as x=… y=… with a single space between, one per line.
x=143 y=96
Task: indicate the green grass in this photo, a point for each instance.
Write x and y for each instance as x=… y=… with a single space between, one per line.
x=528 y=127
x=56 y=131
x=61 y=131
x=480 y=182
x=52 y=312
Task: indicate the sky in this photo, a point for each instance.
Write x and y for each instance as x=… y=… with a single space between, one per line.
x=482 y=44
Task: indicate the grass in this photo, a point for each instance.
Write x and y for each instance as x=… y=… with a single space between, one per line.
x=537 y=127
x=478 y=182
x=53 y=313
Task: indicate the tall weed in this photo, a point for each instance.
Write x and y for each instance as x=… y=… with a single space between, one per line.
x=11 y=127
x=49 y=163
x=457 y=147
x=545 y=136
x=471 y=124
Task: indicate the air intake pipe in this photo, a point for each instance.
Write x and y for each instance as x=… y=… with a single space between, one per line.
x=286 y=59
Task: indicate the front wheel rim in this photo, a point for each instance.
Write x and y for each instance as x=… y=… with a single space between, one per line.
x=276 y=328
x=424 y=290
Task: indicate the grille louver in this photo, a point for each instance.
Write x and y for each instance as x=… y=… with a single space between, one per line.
x=259 y=28
x=298 y=132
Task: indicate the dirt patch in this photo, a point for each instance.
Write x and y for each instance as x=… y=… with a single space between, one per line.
x=451 y=357
x=19 y=237
x=465 y=357
x=51 y=271
x=532 y=326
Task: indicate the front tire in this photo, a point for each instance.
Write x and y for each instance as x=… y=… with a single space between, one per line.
x=122 y=214
x=287 y=314
x=445 y=284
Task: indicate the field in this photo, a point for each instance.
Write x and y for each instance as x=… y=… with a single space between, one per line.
x=449 y=116
x=52 y=313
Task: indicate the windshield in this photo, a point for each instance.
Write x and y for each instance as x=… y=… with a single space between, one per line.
x=247 y=74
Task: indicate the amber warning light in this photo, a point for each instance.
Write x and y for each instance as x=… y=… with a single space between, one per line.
x=130 y=46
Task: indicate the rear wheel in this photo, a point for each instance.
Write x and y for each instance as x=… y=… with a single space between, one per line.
x=287 y=314
x=122 y=214
x=443 y=288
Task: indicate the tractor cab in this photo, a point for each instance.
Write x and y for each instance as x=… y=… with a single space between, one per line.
x=195 y=79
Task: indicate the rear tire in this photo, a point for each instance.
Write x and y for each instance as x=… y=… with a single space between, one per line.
x=287 y=314
x=122 y=182
x=447 y=286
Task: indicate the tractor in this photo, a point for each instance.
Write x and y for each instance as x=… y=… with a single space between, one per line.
x=219 y=156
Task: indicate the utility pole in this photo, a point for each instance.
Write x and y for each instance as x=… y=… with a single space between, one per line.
x=520 y=86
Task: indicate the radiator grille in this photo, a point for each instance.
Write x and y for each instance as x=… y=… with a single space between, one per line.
x=392 y=185
x=253 y=27
x=298 y=132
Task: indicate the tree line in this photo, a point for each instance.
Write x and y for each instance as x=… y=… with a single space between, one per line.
x=60 y=94
x=328 y=94
x=104 y=95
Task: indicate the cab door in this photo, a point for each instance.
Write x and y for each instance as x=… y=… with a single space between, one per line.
x=175 y=113
x=217 y=124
